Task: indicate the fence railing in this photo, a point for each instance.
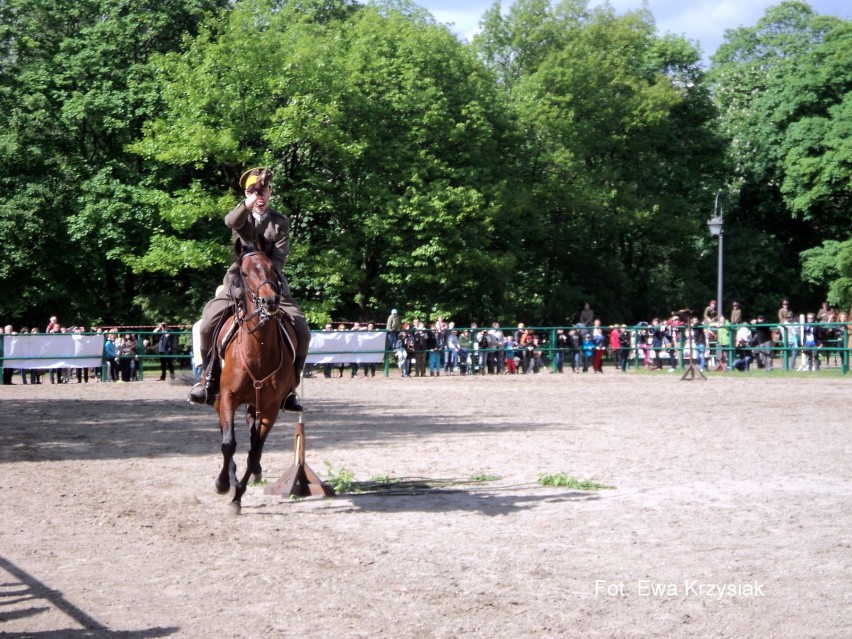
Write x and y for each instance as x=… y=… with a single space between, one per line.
x=786 y=347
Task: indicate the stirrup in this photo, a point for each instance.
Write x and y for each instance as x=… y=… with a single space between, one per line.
x=292 y=403
x=200 y=394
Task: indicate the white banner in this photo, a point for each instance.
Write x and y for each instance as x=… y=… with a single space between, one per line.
x=361 y=347
x=59 y=350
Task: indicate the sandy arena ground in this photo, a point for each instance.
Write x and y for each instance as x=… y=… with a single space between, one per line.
x=731 y=513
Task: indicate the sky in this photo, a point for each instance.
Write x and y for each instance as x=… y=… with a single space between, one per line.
x=701 y=21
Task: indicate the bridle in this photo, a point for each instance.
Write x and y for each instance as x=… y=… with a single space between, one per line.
x=260 y=309
x=265 y=314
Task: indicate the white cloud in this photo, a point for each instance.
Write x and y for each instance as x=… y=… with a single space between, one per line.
x=701 y=21
x=464 y=22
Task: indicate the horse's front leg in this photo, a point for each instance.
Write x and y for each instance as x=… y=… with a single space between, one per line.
x=259 y=431
x=251 y=421
x=228 y=475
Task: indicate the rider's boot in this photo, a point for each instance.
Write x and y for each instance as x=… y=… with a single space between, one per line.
x=205 y=391
x=292 y=403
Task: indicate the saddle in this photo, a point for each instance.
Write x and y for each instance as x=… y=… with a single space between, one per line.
x=225 y=335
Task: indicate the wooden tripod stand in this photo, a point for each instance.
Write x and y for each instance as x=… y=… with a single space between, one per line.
x=299 y=480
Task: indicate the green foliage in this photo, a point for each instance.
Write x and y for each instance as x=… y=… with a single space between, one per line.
x=783 y=88
x=342 y=480
x=618 y=153
x=563 y=480
x=831 y=265
x=568 y=155
x=74 y=90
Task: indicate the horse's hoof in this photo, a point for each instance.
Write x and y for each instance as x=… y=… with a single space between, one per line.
x=222 y=488
x=257 y=478
x=234 y=508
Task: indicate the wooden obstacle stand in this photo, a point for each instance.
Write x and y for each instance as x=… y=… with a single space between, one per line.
x=299 y=480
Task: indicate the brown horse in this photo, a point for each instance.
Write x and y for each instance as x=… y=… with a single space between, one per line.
x=258 y=369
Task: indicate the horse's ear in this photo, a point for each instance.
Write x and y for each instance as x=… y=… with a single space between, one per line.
x=241 y=248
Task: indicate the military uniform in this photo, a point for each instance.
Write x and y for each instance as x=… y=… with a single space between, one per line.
x=249 y=226
x=274 y=227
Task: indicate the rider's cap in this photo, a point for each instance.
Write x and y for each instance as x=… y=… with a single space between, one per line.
x=248 y=179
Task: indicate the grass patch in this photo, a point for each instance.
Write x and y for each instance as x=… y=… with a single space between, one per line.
x=342 y=480
x=564 y=480
x=483 y=477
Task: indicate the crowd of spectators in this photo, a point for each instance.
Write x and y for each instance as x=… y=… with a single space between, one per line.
x=121 y=361
x=706 y=339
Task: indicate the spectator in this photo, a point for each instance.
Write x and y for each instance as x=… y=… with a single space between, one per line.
x=742 y=356
x=127 y=353
x=825 y=313
x=496 y=342
x=451 y=356
x=411 y=353
x=341 y=366
x=588 y=349
x=24 y=331
x=401 y=351
x=811 y=342
x=625 y=340
x=393 y=326
x=614 y=341
x=510 y=348
x=52 y=325
x=35 y=373
x=845 y=332
x=166 y=350
x=435 y=346
x=453 y=349
x=327 y=368
x=8 y=373
x=535 y=362
x=657 y=330
x=524 y=353
x=110 y=357
x=560 y=349
x=736 y=313
x=587 y=315
x=82 y=373
x=784 y=313
x=369 y=367
x=710 y=313
x=599 y=340
x=789 y=333
x=353 y=366
x=763 y=343
x=421 y=348
x=575 y=349
x=465 y=348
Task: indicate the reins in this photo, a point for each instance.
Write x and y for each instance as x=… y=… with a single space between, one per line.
x=245 y=329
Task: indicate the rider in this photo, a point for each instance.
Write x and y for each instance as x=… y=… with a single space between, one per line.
x=252 y=218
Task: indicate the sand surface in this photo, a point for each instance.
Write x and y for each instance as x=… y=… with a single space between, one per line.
x=730 y=513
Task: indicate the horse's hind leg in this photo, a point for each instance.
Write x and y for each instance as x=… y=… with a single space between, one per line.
x=256 y=468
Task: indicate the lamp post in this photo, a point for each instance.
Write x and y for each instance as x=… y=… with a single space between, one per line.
x=717 y=228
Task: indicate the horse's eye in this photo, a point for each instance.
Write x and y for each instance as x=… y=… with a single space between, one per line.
x=243 y=273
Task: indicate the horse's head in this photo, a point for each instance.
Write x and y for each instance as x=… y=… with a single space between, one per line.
x=260 y=282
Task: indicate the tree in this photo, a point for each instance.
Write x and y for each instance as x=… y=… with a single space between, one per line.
x=619 y=157
x=782 y=87
x=382 y=131
x=73 y=93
